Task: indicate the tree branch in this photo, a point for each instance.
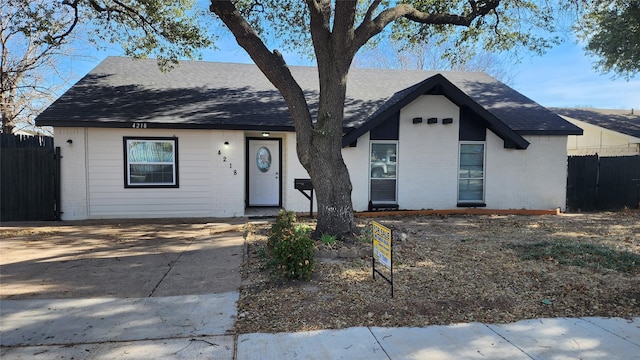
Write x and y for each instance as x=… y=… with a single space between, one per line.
x=271 y=64
x=319 y=15
x=343 y=30
x=368 y=29
x=58 y=39
x=372 y=8
x=128 y=12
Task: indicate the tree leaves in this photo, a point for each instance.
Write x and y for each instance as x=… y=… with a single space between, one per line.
x=611 y=30
x=170 y=30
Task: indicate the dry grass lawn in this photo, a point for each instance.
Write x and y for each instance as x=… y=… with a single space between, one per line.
x=451 y=269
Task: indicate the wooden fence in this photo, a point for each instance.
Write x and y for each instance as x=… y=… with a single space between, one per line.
x=29 y=178
x=603 y=183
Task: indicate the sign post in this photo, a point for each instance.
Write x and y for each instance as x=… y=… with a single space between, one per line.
x=382 y=251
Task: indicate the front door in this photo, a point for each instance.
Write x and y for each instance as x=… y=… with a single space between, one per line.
x=264 y=172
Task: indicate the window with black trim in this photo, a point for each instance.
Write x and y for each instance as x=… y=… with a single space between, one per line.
x=151 y=162
x=383 y=166
x=471 y=173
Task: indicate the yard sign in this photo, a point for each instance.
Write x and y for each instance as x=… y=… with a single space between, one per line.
x=382 y=251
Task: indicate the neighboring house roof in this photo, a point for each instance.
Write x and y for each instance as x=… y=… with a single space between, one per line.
x=622 y=121
x=212 y=95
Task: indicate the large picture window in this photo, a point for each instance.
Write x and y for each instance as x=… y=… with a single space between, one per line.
x=471 y=173
x=151 y=162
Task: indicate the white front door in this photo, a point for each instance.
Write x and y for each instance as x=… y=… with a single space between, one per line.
x=264 y=172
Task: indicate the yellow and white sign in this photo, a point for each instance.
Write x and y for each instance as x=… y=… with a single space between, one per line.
x=382 y=244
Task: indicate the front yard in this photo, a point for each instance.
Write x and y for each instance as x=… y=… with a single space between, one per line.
x=453 y=269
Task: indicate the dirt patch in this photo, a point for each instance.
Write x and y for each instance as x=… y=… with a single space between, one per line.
x=462 y=268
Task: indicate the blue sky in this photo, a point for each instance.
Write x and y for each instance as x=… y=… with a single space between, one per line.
x=563 y=77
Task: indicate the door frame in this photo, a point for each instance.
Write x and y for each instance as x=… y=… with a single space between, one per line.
x=247 y=171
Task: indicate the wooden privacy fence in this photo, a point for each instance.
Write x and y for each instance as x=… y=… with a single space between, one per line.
x=603 y=183
x=29 y=178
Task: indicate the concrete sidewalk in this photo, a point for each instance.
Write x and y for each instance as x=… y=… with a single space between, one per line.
x=169 y=327
x=564 y=338
x=200 y=326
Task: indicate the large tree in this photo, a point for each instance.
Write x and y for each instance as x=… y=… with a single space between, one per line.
x=337 y=30
x=611 y=30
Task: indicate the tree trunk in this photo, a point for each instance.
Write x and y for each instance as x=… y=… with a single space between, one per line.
x=319 y=144
x=333 y=191
x=327 y=169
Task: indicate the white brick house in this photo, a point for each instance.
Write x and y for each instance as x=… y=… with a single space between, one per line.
x=192 y=142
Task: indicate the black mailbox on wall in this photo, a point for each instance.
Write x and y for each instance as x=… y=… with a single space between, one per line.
x=302 y=185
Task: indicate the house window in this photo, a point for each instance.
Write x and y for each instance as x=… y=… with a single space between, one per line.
x=383 y=166
x=471 y=174
x=151 y=162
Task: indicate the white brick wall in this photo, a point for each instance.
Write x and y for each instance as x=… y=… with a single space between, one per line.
x=428 y=155
x=535 y=178
x=357 y=161
x=292 y=199
x=428 y=159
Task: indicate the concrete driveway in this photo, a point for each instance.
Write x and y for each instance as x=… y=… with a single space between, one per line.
x=134 y=259
x=107 y=283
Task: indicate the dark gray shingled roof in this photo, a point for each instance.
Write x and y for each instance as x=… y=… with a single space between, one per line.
x=211 y=95
x=622 y=121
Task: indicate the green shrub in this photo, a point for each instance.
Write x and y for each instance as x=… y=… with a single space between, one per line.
x=290 y=247
x=328 y=240
x=282 y=227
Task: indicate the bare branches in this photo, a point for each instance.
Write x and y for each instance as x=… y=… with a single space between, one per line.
x=36 y=33
x=32 y=39
x=345 y=17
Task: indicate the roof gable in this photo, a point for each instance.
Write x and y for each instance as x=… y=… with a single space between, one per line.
x=437 y=85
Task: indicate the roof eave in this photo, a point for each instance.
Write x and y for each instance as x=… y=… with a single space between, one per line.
x=156 y=125
x=551 y=132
